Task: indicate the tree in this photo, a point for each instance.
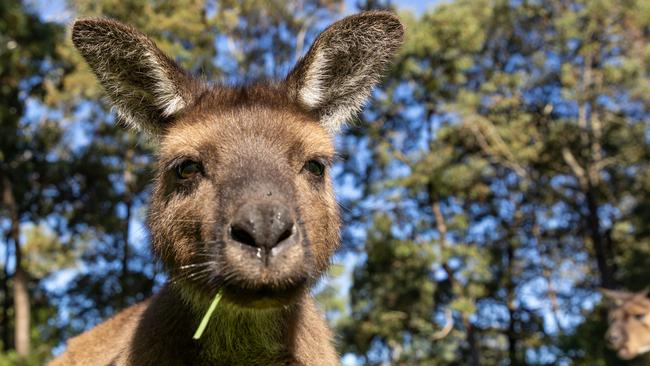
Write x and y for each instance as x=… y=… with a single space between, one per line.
x=28 y=45
x=509 y=139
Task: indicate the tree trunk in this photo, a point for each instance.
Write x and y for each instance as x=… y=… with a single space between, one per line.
x=129 y=181
x=20 y=278
x=441 y=227
x=6 y=303
x=593 y=225
x=472 y=342
x=22 y=310
x=124 y=275
x=512 y=311
x=591 y=133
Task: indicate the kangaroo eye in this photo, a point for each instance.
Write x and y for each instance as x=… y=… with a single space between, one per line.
x=188 y=169
x=315 y=167
x=639 y=317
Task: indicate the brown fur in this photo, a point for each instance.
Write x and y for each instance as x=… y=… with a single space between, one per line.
x=629 y=323
x=253 y=145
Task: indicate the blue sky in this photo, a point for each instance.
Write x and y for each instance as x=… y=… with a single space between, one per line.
x=56 y=10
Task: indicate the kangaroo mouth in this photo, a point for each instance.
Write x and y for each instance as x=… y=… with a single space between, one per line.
x=627 y=353
x=265 y=296
x=255 y=277
x=624 y=352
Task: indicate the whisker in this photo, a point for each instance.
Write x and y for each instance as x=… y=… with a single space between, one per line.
x=191 y=276
x=199 y=272
x=195 y=221
x=193 y=265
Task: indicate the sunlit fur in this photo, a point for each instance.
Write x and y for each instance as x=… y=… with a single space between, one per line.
x=629 y=323
x=242 y=147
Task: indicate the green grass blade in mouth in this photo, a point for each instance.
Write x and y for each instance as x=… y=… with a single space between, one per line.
x=207 y=316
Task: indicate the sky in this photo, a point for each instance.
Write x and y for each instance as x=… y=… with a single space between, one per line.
x=56 y=10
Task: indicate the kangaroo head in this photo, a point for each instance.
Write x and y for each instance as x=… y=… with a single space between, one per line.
x=242 y=200
x=629 y=323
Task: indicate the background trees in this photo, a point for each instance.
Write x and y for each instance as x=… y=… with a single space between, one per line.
x=510 y=140
x=29 y=176
x=499 y=177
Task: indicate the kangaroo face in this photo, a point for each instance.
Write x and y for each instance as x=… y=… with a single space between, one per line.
x=242 y=200
x=629 y=323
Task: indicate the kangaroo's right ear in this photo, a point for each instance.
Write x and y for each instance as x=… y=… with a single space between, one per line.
x=616 y=296
x=145 y=86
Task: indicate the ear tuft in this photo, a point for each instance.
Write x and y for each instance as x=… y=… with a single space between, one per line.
x=145 y=86
x=346 y=61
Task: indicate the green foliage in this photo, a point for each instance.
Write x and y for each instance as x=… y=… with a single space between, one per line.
x=511 y=141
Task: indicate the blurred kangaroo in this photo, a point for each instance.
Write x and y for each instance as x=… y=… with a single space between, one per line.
x=242 y=200
x=629 y=323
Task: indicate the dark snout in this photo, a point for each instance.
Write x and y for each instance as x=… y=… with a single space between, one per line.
x=265 y=252
x=264 y=225
x=614 y=338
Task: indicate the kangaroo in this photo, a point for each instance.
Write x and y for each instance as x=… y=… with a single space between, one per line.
x=629 y=323
x=242 y=201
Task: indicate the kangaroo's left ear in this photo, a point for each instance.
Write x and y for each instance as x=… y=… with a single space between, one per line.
x=335 y=77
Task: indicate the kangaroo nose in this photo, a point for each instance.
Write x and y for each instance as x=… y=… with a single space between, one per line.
x=613 y=338
x=262 y=225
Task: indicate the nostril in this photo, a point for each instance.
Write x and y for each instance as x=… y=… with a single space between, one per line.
x=285 y=234
x=613 y=338
x=262 y=225
x=241 y=235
